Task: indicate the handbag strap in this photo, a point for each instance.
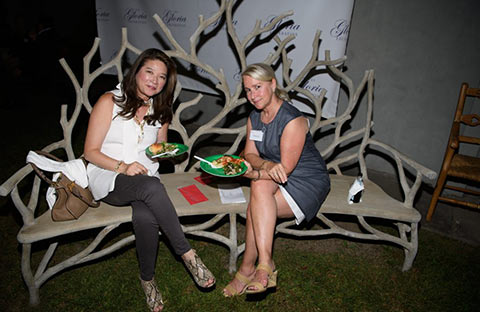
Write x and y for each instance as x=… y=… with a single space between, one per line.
x=72 y=188
x=51 y=156
x=89 y=202
x=40 y=172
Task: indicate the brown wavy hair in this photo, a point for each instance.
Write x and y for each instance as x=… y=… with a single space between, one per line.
x=162 y=102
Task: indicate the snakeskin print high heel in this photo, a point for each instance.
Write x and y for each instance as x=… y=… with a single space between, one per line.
x=199 y=271
x=153 y=295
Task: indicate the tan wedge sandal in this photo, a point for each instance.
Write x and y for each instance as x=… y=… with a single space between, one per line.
x=232 y=291
x=259 y=287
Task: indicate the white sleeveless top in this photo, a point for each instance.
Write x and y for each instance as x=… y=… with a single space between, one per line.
x=123 y=142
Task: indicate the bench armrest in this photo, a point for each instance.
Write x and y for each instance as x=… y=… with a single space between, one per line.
x=18 y=176
x=423 y=174
x=10 y=187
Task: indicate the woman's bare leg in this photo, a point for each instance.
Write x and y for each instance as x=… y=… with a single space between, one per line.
x=250 y=254
x=247 y=267
x=262 y=193
x=267 y=203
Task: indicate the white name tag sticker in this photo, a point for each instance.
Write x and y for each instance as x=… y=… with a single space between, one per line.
x=256 y=135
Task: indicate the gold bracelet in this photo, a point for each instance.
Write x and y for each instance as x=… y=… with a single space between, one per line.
x=258 y=175
x=120 y=162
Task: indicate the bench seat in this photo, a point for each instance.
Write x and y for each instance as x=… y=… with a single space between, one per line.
x=375 y=203
x=43 y=227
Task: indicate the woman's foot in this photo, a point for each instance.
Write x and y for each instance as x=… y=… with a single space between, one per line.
x=265 y=277
x=153 y=295
x=238 y=285
x=202 y=276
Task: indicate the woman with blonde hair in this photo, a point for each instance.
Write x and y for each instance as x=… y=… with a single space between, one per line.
x=288 y=176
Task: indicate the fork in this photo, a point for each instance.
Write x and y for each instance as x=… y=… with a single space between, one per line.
x=166 y=153
x=208 y=162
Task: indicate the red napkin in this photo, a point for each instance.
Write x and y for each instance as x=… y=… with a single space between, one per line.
x=192 y=194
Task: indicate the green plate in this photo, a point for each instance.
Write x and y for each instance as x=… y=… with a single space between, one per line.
x=181 y=149
x=219 y=172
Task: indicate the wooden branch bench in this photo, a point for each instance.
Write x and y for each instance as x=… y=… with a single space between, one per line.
x=376 y=204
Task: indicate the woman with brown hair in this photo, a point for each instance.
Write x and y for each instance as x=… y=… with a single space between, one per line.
x=123 y=123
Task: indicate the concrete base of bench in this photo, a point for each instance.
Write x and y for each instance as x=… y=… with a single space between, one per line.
x=375 y=203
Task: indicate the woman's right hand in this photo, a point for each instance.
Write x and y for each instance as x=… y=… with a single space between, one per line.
x=250 y=173
x=134 y=168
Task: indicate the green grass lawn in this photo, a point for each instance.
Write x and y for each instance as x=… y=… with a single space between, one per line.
x=325 y=274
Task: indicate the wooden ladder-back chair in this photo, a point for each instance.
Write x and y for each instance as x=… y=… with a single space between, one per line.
x=462 y=167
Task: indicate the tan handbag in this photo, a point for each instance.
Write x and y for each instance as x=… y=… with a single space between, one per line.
x=72 y=200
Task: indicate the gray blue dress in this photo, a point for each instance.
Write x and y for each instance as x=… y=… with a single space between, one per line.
x=309 y=183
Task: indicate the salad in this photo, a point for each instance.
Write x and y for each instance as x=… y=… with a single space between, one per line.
x=229 y=164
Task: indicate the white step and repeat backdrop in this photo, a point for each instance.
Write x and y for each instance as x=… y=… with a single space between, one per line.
x=331 y=17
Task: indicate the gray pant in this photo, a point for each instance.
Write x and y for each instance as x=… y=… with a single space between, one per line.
x=152 y=210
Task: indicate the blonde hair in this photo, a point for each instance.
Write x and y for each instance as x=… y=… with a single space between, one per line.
x=264 y=72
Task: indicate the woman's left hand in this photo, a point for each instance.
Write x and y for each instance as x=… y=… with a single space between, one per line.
x=276 y=171
x=135 y=168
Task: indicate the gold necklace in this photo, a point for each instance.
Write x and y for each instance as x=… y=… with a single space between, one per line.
x=142 y=132
x=141 y=123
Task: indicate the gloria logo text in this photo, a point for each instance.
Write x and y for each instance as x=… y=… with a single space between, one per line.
x=340 y=29
x=288 y=27
x=135 y=15
x=173 y=18
x=103 y=14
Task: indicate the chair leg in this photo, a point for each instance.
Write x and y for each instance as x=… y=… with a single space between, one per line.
x=28 y=276
x=410 y=252
x=436 y=193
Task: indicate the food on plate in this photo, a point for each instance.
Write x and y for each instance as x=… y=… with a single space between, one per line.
x=232 y=168
x=229 y=164
x=162 y=147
